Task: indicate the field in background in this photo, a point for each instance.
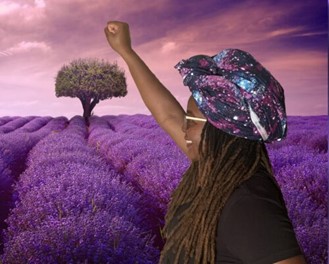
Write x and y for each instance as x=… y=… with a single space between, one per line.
x=99 y=194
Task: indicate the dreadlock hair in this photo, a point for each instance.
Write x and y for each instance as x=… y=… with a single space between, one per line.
x=191 y=222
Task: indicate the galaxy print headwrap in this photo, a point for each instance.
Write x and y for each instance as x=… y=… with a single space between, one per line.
x=236 y=94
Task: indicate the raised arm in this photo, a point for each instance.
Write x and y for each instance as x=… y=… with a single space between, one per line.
x=162 y=104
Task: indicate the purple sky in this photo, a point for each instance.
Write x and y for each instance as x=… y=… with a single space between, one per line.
x=37 y=37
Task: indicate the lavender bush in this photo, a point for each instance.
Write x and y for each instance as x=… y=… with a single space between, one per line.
x=6 y=119
x=138 y=149
x=98 y=194
x=73 y=207
x=35 y=124
x=300 y=163
x=14 y=148
x=14 y=124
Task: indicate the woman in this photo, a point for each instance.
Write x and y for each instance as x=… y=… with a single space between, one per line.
x=228 y=207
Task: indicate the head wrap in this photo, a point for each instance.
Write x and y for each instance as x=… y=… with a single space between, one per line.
x=236 y=94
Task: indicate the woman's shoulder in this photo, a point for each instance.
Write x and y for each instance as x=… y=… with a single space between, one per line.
x=258 y=196
x=254 y=223
x=261 y=186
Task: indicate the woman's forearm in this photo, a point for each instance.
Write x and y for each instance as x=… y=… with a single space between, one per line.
x=161 y=103
x=157 y=98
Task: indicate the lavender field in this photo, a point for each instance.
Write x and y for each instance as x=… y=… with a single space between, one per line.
x=98 y=194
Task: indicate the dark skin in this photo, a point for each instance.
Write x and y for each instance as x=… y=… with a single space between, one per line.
x=162 y=104
x=193 y=130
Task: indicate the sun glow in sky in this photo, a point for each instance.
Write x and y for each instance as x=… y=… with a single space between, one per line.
x=37 y=37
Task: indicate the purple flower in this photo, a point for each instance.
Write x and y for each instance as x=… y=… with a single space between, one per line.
x=99 y=194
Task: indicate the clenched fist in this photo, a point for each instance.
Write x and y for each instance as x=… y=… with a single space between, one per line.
x=118 y=36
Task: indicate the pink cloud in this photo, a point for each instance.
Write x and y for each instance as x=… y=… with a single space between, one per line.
x=52 y=33
x=7 y=7
x=26 y=46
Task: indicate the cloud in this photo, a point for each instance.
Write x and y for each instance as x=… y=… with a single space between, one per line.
x=26 y=46
x=284 y=31
x=7 y=7
x=40 y=3
x=37 y=37
x=23 y=11
x=168 y=47
x=243 y=27
x=312 y=34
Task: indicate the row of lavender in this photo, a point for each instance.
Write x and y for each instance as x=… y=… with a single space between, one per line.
x=145 y=155
x=73 y=208
x=150 y=178
x=133 y=150
x=300 y=163
x=301 y=167
x=18 y=135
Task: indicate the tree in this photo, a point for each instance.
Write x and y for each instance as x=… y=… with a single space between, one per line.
x=91 y=80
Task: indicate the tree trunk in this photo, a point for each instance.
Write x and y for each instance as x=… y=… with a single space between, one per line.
x=88 y=106
x=85 y=105
x=93 y=104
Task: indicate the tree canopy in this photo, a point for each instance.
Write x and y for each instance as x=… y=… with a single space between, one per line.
x=90 y=80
